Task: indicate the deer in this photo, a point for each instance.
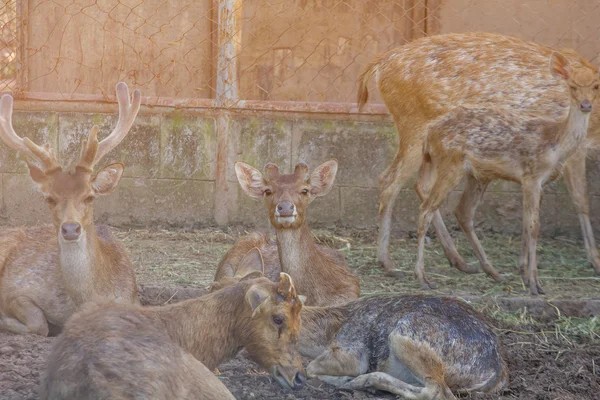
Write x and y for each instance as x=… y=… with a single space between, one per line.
x=321 y=274
x=417 y=346
x=424 y=79
x=484 y=143
x=124 y=351
x=48 y=272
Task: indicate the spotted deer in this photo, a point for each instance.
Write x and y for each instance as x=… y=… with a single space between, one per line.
x=420 y=347
x=47 y=272
x=320 y=274
x=485 y=143
x=119 y=351
x=423 y=80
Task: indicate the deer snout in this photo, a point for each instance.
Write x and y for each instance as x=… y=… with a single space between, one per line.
x=70 y=231
x=299 y=381
x=286 y=209
x=586 y=106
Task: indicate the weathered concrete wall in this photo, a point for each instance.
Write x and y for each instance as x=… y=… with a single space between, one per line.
x=170 y=172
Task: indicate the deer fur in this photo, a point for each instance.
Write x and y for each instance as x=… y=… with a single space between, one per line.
x=425 y=79
x=486 y=143
x=320 y=274
x=416 y=346
x=121 y=351
x=48 y=272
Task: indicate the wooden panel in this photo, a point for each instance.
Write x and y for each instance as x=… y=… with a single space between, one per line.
x=313 y=50
x=556 y=23
x=87 y=46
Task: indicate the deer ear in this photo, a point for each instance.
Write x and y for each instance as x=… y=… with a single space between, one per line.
x=37 y=174
x=255 y=296
x=559 y=66
x=250 y=264
x=321 y=179
x=107 y=179
x=250 y=179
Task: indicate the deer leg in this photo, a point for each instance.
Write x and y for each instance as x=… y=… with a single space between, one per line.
x=390 y=183
x=574 y=175
x=435 y=182
x=339 y=361
x=465 y=214
x=382 y=381
x=531 y=221
x=28 y=317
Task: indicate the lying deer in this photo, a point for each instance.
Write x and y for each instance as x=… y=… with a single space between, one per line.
x=426 y=78
x=47 y=272
x=485 y=143
x=321 y=274
x=123 y=351
x=419 y=347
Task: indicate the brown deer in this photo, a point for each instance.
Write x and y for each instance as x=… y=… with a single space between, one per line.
x=419 y=347
x=321 y=274
x=123 y=351
x=47 y=272
x=486 y=143
x=426 y=78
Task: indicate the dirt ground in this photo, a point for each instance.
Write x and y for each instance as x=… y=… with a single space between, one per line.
x=558 y=360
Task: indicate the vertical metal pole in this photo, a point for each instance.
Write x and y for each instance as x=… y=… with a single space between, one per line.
x=228 y=45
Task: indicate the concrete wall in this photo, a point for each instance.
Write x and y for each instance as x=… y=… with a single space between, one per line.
x=170 y=171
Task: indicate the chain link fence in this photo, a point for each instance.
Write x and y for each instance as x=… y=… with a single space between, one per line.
x=179 y=52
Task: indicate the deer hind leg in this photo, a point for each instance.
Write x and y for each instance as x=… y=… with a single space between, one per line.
x=465 y=213
x=390 y=183
x=574 y=175
x=382 y=381
x=27 y=317
x=433 y=186
x=531 y=223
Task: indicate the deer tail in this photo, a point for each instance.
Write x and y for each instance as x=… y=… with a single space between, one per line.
x=363 y=80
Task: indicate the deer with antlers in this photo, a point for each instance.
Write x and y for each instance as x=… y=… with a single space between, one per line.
x=47 y=272
x=425 y=79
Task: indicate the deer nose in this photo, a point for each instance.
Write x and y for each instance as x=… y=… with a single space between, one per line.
x=299 y=381
x=286 y=209
x=70 y=231
x=585 y=106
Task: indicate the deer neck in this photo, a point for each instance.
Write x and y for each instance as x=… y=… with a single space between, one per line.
x=574 y=130
x=77 y=265
x=213 y=328
x=297 y=250
x=319 y=327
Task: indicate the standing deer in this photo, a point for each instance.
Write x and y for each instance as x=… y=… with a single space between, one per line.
x=485 y=143
x=321 y=274
x=428 y=77
x=420 y=347
x=122 y=351
x=47 y=272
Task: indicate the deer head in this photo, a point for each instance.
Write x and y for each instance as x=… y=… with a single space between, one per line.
x=70 y=194
x=287 y=196
x=275 y=328
x=583 y=80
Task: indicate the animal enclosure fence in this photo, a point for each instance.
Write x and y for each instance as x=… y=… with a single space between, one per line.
x=283 y=63
x=247 y=53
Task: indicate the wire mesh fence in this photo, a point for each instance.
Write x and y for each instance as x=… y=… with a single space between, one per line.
x=277 y=50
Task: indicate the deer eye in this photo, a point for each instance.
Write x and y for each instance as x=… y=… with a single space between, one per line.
x=304 y=191
x=51 y=201
x=277 y=320
x=89 y=199
x=596 y=87
x=268 y=192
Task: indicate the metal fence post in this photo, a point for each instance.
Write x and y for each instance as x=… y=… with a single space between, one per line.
x=226 y=95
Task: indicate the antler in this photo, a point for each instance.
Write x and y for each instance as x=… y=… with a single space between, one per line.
x=128 y=110
x=44 y=155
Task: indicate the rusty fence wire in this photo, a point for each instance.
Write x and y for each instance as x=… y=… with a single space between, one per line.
x=193 y=52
